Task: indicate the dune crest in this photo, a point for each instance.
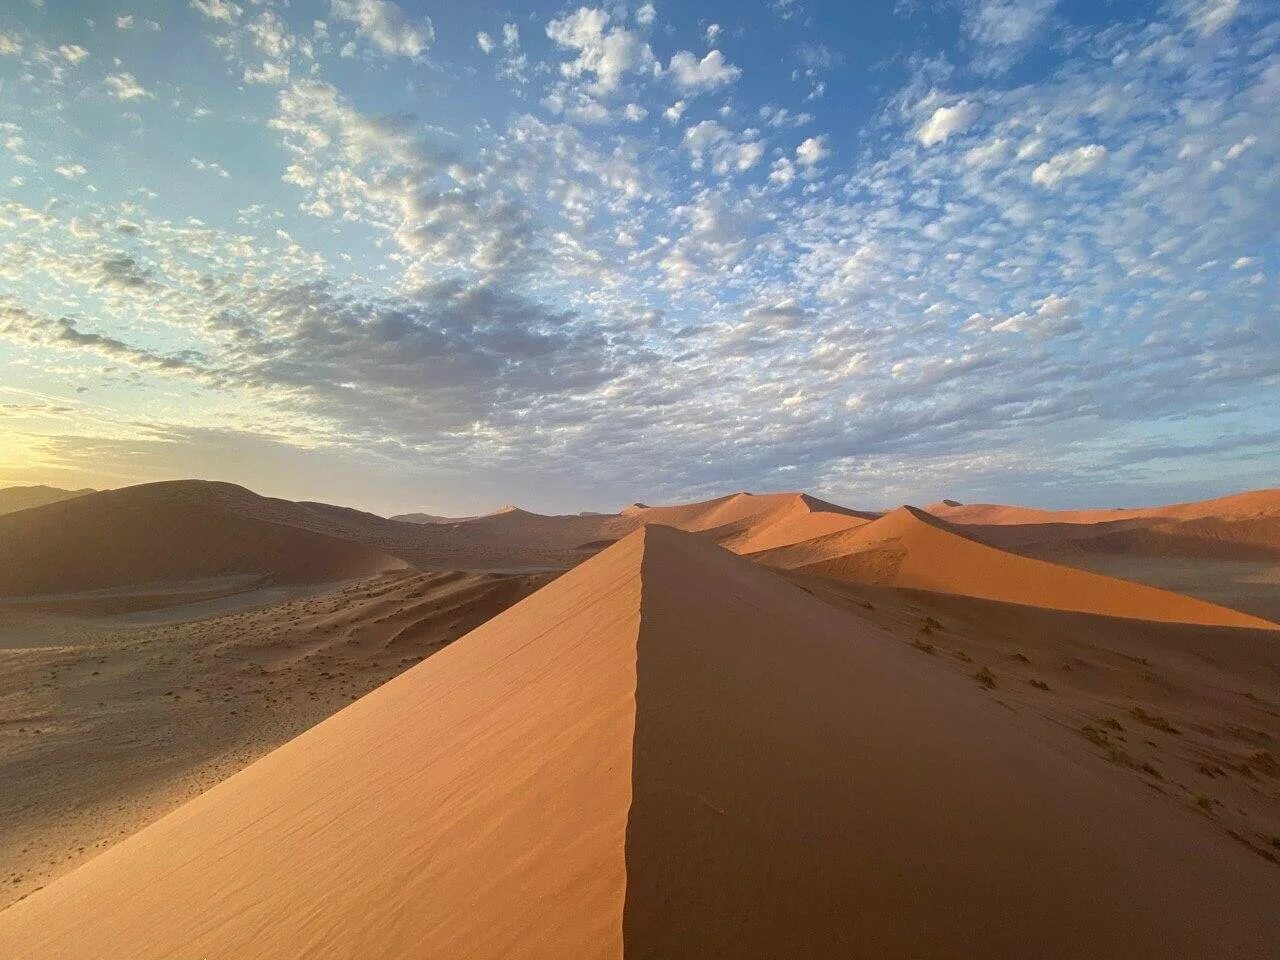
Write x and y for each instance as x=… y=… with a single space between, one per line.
x=669 y=751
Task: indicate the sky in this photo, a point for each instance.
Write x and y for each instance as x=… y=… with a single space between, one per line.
x=447 y=255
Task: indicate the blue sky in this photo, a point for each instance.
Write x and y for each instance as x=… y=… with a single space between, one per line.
x=448 y=255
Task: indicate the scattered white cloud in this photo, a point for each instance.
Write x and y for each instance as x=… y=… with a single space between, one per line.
x=944 y=122
x=209 y=166
x=1053 y=316
x=72 y=53
x=507 y=287
x=1069 y=164
x=1210 y=16
x=712 y=71
x=1003 y=30
x=386 y=26
x=987 y=154
x=124 y=86
x=607 y=53
x=223 y=11
x=812 y=151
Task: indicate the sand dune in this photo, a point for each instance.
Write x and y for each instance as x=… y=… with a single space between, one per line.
x=911 y=548
x=1239 y=506
x=158 y=532
x=24 y=498
x=746 y=523
x=669 y=751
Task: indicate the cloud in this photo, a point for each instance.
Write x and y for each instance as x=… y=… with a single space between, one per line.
x=71 y=171
x=484 y=42
x=1069 y=164
x=385 y=25
x=946 y=121
x=124 y=86
x=607 y=53
x=520 y=292
x=1004 y=30
x=10 y=44
x=694 y=75
x=209 y=166
x=72 y=53
x=1210 y=16
x=812 y=151
x=1053 y=316
x=223 y=11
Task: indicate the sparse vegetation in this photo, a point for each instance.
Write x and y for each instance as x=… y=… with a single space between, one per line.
x=1039 y=684
x=1151 y=720
x=985 y=678
x=1095 y=736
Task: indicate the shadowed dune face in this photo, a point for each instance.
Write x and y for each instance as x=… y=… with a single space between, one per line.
x=125 y=537
x=768 y=723
x=668 y=752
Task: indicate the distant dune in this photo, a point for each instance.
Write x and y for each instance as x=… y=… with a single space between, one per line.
x=911 y=548
x=746 y=523
x=164 y=532
x=1237 y=506
x=669 y=752
x=24 y=498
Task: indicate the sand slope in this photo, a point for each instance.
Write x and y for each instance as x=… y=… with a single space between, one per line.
x=911 y=548
x=158 y=532
x=24 y=498
x=668 y=752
